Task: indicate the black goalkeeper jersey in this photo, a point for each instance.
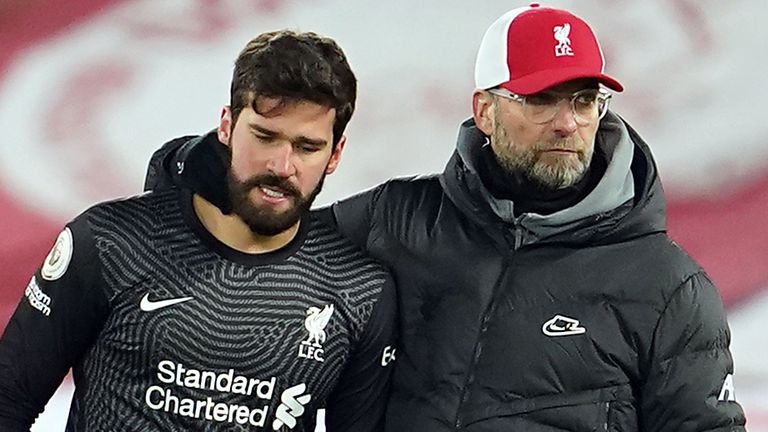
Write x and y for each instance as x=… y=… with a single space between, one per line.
x=168 y=329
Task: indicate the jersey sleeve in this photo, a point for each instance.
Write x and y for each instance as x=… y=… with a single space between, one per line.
x=689 y=383
x=60 y=313
x=359 y=400
x=354 y=216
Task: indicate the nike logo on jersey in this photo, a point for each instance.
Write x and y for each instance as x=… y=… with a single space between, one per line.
x=148 y=305
x=562 y=326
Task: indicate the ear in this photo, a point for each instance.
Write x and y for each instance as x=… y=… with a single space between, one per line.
x=483 y=111
x=225 y=125
x=333 y=162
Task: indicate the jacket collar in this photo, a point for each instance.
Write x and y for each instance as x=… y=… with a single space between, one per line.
x=611 y=199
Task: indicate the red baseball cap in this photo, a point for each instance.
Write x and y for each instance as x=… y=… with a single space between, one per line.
x=532 y=48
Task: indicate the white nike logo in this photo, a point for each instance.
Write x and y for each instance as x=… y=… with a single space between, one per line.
x=148 y=305
x=562 y=326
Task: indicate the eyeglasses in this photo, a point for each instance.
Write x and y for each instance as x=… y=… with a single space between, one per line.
x=588 y=105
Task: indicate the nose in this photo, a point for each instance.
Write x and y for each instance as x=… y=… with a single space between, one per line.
x=281 y=162
x=565 y=120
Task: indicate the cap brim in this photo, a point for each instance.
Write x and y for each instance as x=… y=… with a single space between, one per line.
x=543 y=80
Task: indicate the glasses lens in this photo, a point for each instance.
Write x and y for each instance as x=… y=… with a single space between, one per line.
x=541 y=107
x=586 y=105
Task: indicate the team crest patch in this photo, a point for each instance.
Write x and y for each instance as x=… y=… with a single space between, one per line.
x=57 y=261
x=563 y=47
x=315 y=323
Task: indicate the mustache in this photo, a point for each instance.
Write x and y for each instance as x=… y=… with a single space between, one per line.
x=566 y=144
x=273 y=181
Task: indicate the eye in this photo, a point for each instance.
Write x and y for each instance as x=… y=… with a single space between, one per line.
x=308 y=148
x=542 y=99
x=586 y=99
x=262 y=138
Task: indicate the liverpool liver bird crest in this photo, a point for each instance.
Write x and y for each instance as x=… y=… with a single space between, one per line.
x=562 y=35
x=315 y=324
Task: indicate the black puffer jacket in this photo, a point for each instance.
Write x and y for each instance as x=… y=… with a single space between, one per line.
x=590 y=319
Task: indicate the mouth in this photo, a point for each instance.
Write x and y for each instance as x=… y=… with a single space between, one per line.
x=561 y=151
x=273 y=195
x=273 y=192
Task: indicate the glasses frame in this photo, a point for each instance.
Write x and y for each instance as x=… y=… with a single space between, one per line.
x=603 y=96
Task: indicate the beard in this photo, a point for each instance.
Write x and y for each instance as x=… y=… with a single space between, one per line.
x=262 y=220
x=559 y=173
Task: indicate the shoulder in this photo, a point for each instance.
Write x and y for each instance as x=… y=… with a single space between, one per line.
x=668 y=256
x=357 y=281
x=658 y=265
x=410 y=188
x=688 y=277
x=131 y=217
x=145 y=201
x=135 y=236
x=148 y=201
x=399 y=189
x=325 y=240
x=402 y=199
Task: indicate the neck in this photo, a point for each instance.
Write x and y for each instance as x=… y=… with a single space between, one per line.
x=531 y=198
x=233 y=232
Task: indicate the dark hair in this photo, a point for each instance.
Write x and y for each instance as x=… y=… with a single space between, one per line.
x=294 y=67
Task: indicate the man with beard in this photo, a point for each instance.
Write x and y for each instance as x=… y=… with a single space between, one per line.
x=538 y=288
x=178 y=314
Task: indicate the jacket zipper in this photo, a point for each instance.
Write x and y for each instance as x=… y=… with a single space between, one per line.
x=470 y=377
x=518 y=237
x=517 y=242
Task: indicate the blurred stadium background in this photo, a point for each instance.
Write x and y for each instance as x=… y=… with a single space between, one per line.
x=90 y=88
